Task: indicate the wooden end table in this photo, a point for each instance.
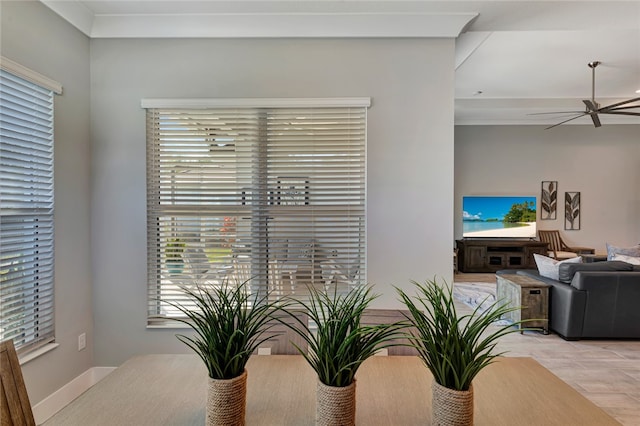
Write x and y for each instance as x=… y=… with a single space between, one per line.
x=529 y=295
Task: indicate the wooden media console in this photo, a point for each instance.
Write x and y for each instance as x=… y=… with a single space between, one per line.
x=491 y=255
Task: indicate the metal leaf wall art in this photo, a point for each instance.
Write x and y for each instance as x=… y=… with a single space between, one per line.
x=572 y=211
x=549 y=199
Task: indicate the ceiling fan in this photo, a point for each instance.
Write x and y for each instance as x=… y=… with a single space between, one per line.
x=593 y=108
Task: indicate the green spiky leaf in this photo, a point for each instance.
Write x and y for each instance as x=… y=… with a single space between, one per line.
x=229 y=324
x=453 y=347
x=340 y=343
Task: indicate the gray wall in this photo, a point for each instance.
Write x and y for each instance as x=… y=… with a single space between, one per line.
x=100 y=192
x=37 y=38
x=603 y=164
x=410 y=153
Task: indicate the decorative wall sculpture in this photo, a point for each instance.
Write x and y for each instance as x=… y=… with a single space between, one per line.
x=572 y=211
x=549 y=199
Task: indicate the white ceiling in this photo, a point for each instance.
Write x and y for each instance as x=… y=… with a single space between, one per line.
x=513 y=57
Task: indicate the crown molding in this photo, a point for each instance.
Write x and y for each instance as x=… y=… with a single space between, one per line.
x=290 y=25
x=263 y=24
x=534 y=111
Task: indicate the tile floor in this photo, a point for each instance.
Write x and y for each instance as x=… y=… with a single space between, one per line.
x=607 y=372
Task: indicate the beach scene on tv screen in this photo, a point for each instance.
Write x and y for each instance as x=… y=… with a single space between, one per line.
x=499 y=217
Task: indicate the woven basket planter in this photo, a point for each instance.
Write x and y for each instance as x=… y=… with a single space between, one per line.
x=336 y=406
x=227 y=401
x=451 y=407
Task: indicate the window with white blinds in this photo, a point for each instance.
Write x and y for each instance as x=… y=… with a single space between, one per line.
x=26 y=212
x=270 y=195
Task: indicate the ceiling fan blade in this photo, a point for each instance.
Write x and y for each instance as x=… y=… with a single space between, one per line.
x=582 y=114
x=595 y=119
x=605 y=110
x=591 y=106
x=622 y=103
x=615 y=111
x=556 y=112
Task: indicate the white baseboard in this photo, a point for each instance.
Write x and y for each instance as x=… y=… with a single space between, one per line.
x=46 y=408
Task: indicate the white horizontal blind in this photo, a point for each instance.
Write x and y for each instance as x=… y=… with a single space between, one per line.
x=26 y=213
x=271 y=195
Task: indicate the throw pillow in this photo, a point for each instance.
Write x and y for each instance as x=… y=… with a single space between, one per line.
x=568 y=270
x=629 y=259
x=548 y=267
x=627 y=251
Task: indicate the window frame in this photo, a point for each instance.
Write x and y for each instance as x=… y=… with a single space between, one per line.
x=272 y=198
x=27 y=211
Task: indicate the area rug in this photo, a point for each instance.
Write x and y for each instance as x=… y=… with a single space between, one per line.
x=477 y=295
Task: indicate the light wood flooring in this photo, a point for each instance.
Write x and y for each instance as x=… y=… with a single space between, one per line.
x=607 y=372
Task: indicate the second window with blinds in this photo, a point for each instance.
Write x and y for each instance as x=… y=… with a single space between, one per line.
x=271 y=193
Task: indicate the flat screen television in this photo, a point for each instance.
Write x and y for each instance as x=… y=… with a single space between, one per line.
x=499 y=217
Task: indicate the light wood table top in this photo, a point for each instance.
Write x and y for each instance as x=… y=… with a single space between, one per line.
x=171 y=390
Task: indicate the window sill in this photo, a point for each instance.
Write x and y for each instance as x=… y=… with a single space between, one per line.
x=168 y=325
x=30 y=356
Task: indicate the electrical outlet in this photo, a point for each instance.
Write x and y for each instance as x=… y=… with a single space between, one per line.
x=82 y=341
x=264 y=351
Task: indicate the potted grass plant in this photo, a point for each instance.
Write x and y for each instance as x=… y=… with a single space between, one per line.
x=338 y=343
x=229 y=324
x=455 y=348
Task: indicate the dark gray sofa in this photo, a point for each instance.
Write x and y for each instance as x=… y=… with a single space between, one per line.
x=596 y=300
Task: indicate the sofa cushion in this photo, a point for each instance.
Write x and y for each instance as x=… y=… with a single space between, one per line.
x=628 y=259
x=566 y=271
x=548 y=267
x=627 y=251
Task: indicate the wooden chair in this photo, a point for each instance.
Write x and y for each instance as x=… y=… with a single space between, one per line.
x=557 y=248
x=16 y=409
x=340 y=275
